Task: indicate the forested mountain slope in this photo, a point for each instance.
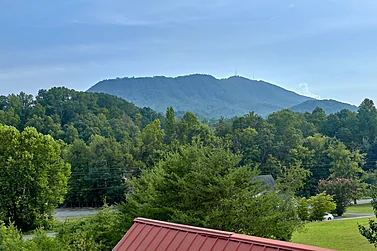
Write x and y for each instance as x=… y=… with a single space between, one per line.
x=206 y=96
x=329 y=106
x=67 y=114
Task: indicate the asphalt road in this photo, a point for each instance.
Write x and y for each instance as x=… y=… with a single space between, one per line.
x=353 y=216
x=365 y=201
x=62 y=213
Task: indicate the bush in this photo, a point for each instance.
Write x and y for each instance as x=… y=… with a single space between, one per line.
x=10 y=238
x=320 y=204
x=99 y=232
x=302 y=209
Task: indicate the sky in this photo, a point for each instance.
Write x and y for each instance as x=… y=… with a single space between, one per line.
x=323 y=49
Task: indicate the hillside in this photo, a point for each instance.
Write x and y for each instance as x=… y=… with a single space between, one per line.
x=68 y=114
x=329 y=106
x=203 y=94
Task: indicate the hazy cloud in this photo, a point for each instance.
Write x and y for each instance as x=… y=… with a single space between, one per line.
x=291 y=6
x=304 y=90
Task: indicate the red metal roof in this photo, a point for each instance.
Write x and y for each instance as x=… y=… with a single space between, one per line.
x=152 y=235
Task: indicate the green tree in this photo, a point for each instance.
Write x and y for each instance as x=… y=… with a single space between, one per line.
x=342 y=190
x=367 y=117
x=170 y=125
x=152 y=145
x=244 y=142
x=317 y=117
x=370 y=232
x=345 y=164
x=292 y=178
x=287 y=132
x=202 y=186
x=303 y=208
x=79 y=156
x=319 y=205
x=33 y=177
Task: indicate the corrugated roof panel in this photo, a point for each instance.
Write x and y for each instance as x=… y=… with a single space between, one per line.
x=151 y=235
x=259 y=248
x=190 y=238
x=220 y=245
x=232 y=246
x=197 y=243
x=208 y=243
x=158 y=239
x=151 y=238
x=143 y=234
x=179 y=238
x=169 y=238
x=130 y=237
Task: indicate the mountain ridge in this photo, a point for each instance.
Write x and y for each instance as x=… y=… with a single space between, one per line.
x=209 y=96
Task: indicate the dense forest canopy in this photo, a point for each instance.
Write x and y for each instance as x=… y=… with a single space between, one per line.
x=120 y=153
x=108 y=135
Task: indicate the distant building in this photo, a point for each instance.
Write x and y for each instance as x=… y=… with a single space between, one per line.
x=152 y=235
x=267 y=180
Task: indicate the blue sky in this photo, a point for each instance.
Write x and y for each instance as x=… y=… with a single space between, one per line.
x=319 y=48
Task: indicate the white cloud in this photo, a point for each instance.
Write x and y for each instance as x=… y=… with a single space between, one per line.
x=304 y=90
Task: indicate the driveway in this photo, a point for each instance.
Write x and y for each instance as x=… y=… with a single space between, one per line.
x=348 y=216
x=364 y=201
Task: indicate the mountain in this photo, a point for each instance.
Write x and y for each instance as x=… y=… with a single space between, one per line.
x=329 y=106
x=203 y=94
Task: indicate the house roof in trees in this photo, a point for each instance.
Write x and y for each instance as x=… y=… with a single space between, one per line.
x=148 y=235
x=267 y=180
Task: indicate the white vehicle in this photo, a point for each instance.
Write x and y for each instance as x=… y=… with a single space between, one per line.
x=328 y=216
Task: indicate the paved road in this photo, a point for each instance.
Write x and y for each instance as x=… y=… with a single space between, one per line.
x=29 y=236
x=62 y=213
x=66 y=213
x=365 y=201
x=353 y=216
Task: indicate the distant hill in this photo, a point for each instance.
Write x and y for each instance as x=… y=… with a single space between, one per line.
x=329 y=106
x=204 y=94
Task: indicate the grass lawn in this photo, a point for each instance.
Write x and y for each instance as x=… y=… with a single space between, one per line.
x=361 y=209
x=339 y=235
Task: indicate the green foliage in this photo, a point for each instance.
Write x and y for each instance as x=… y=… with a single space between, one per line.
x=170 y=122
x=343 y=191
x=303 y=208
x=345 y=164
x=292 y=178
x=319 y=205
x=33 y=177
x=12 y=240
x=99 y=232
x=177 y=170
x=370 y=232
x=201 y=186
x=151 y=147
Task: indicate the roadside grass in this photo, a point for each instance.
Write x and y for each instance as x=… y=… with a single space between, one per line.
x=339 y=235
x=360 y=208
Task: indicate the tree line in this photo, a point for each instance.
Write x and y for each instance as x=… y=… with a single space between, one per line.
x=103 y=148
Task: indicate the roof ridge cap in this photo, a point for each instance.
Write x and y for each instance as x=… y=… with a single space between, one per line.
x=181 y=227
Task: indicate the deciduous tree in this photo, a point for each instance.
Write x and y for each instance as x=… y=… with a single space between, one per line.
x=33 y=176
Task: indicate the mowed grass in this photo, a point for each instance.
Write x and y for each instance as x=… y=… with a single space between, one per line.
x=360 y=209
x=338 y=234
